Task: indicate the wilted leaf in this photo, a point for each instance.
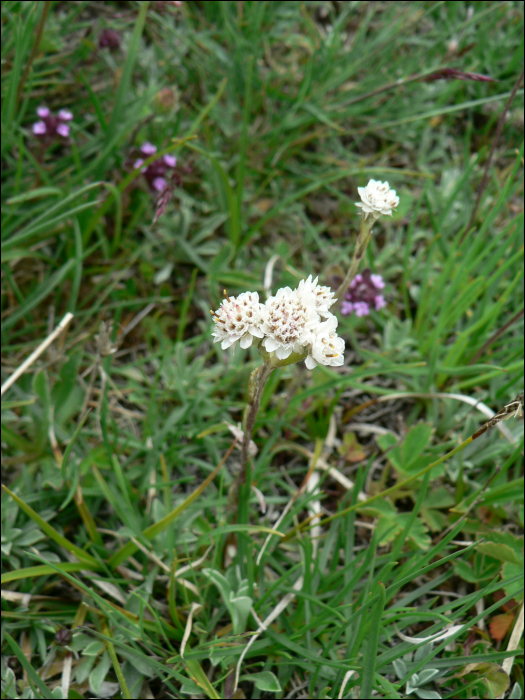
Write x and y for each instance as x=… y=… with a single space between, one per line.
x=494 y=676
x=500 y=625
x=350 y=449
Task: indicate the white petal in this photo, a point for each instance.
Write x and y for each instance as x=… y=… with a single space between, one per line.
x=282 y=352
x=310 y=362
x=271 y=344
x=228 y=341
x=257 y=331
x=246 y=341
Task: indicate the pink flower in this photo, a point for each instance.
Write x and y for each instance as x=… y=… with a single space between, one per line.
x=148 y=148
x=361 y=308
x=50 y=126
x=377 y=281
x=39 y=128
x=63 y=130
x=156 y=173
x=159 y=183
x=65 y=115
x=362 y=295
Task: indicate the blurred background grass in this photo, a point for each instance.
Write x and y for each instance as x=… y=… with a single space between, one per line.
x=276 y=113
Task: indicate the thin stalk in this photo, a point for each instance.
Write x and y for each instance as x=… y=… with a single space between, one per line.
x=363 y=239
x=257 y=383
x=34 y=49
x=495 y=141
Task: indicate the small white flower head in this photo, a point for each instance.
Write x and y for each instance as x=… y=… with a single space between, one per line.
x=239 y=318
x=323 y=296
x=291 y=319
x=377 y=199
x=327 y=347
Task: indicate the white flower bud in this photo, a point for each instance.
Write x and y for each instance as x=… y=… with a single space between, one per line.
x=377 y=199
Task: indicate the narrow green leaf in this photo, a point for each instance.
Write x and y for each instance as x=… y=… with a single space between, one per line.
x=153 y=530
x=369 y=665
x=28 y=668
x=51 y=532
x=45 y=570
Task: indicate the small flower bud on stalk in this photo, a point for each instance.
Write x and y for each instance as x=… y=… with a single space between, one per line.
x=377 y=199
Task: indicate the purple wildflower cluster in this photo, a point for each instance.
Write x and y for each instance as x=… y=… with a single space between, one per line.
x=364 y=294
x=49 y=125
x=155 y=173
x=109 y=39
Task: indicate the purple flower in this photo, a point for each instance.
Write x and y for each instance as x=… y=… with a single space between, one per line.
x=63 y=130
x=156 y=173
x=361 y=308
x=65 y=115
x=148 y=149
x=39 y=128
x=109 y=39
x=159 y=183
x=377 y=281
x=362 y=295
x=49 y=125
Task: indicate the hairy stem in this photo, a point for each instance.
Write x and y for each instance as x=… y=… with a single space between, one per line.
x=363 y=239
x=258 y=379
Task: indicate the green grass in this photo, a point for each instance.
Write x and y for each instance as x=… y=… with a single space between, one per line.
x=117 y=539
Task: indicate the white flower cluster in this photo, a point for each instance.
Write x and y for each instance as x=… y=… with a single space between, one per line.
x=292 y=321
x=377 y=199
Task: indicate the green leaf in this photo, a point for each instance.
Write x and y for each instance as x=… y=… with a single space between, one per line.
x=464 y=571
x=51 y=532
x=514 y=589
x=220 y=581
x=44 y=570
x=28 y=668
x=33 y=194
x=200 y=678
x=67 y=396
x=153 y=530
x=38 y=294
x=222 y=259
x=99 y=673
x=386 y=441
x=501 y=552
x=264 y=680
x=390 y=526
x=415 y=442
x=370 y=658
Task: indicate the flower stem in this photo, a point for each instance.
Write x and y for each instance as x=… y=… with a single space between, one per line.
x=258 y=380
x=363 y=239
